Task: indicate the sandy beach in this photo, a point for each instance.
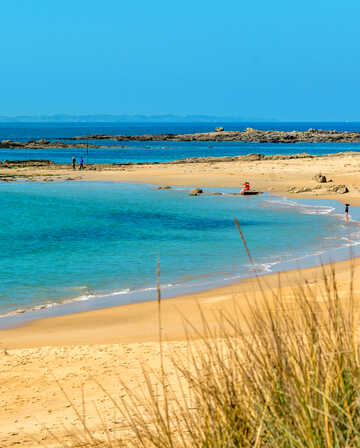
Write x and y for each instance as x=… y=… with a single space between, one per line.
x=276 y=175
x=112 y=344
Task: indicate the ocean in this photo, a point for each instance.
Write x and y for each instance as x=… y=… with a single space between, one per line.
x=73 y=246
x=140 y=152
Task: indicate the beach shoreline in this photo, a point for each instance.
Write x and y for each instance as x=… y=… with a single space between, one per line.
x=33 y=333
x=94 y=300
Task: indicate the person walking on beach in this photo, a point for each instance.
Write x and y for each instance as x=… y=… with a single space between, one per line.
x=74 y=163
x=347 y=212
x=81 y=167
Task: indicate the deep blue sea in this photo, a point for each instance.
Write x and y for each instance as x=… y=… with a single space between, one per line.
x=72 y=246
x=159 y=151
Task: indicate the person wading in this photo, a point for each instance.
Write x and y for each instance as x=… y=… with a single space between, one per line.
x=347 y=212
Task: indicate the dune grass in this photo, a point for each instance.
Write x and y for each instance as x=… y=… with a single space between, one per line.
x=285 y=373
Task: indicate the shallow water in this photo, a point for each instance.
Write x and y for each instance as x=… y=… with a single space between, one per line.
x=81 y=241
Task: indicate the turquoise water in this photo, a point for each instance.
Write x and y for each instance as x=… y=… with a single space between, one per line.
x=88 y=241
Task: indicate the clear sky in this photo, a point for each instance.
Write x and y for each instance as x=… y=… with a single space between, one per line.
x=282 y=59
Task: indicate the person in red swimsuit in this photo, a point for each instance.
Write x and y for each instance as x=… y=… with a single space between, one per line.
x=246 y=187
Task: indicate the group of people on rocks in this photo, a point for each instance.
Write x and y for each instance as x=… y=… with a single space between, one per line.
x=81 y=164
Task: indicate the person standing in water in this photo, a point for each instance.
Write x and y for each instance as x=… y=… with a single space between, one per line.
x=347 y=212
x=73 y=162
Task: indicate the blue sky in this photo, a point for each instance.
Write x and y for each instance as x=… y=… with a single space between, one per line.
x=288 y=60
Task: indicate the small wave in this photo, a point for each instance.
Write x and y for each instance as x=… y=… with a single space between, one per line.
x=83 y=298
x=303 y=208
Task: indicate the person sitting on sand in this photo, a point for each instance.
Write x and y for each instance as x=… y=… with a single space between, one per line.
x=246 y=187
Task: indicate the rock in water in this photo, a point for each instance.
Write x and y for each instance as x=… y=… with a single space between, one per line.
x=219 y=129
x=196 y=192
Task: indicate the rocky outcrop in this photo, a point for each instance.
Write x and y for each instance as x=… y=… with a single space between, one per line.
x=248 y=135
x=164 y=187
x=43 y=144
x=341 y=189
x=299 y=189
x=25 y=163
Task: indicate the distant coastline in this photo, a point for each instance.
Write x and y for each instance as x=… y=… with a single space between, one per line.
x=129 y=118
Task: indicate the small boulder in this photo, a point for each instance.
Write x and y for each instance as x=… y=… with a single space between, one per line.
x=320 y=178
x=164 y=187
x=219 y=129
x=196 y=192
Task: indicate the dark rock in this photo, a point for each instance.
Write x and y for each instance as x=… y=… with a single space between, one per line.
x=219 y=129
x=22 y=163
x=320 y=178
x=196 y=192
x=165 y=187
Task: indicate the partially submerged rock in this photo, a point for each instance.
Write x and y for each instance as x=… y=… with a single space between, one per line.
x=196 y=192
x=164 y=187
